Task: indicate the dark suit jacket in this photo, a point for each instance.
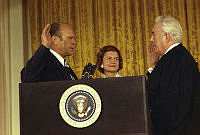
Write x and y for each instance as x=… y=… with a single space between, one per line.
x=44 y=66
x=171 y=89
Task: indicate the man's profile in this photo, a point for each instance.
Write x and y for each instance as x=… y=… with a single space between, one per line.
x=48 y=63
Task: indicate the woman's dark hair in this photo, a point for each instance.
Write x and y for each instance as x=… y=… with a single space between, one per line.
x=101 y=54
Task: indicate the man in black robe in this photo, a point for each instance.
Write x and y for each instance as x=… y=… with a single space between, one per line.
x=48 y=63
x=172 y=79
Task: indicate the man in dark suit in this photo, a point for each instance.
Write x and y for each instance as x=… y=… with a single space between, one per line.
x=172 y=80
x=48 y=63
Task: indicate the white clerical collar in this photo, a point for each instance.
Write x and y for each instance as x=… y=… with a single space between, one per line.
x=172 y=46
x=62 y=61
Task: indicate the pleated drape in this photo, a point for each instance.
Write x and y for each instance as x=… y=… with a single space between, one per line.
x=126 y=24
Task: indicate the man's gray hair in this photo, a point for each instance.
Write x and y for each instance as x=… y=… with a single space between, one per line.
x=171 y=26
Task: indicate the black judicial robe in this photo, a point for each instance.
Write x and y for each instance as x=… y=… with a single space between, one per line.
x=171 y=88
x=44 y=66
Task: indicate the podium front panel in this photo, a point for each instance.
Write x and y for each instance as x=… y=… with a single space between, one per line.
x=123 y=111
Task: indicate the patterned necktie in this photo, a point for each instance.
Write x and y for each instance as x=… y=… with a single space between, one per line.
x=66 y=65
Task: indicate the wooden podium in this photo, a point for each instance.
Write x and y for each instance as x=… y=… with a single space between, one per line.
x=123 y=112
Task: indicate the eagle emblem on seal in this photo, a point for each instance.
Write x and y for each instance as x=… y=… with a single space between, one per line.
x=80 y=106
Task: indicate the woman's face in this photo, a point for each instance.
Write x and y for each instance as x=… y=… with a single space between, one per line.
x=111 y=61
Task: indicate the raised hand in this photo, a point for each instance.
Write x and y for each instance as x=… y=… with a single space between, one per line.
x=46 y=37
x=153 y=54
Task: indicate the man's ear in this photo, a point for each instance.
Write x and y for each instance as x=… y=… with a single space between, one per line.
x=167 y=37
x=55 y=40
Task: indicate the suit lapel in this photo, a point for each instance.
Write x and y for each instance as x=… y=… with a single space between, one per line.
x=70 y=71
x=66 y=72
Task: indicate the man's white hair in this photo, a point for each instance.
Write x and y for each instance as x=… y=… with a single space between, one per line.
x=171 y=26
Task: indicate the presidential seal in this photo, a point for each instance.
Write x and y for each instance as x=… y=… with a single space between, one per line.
x=80 y=106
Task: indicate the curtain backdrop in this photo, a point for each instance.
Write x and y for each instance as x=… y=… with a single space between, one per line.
x=127 y=24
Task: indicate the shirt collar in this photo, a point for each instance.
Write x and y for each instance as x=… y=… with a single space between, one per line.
x=62 y=61
x=172 y=46
x=117 y=75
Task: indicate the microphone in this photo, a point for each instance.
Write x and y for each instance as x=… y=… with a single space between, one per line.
x=88 y=71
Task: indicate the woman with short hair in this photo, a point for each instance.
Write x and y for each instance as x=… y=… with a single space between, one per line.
x=109 y=61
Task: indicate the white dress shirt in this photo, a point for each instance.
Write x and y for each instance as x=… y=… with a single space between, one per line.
x=61 y=59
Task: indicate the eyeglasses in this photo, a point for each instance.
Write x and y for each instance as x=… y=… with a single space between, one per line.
x=109 y=59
